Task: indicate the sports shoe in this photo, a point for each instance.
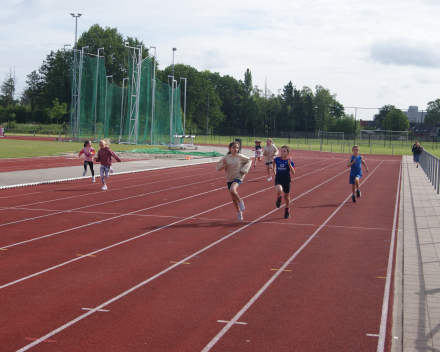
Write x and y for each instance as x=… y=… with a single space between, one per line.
x=417 y=165
x=278 y=202
x=104 y=188
x=358 y=193
x=353 y=198
x=270 y=178
x=240 y=216
x=93 y=178
x=84 y=173
x=286 y=213
x=241 y=206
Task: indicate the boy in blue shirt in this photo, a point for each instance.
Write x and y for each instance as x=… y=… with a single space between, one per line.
x=283 y=167
x=355 y=162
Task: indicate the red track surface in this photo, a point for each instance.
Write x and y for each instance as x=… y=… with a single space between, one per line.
x=21 y=164
x=160 y=260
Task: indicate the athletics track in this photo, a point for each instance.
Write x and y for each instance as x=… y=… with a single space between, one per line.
x=159 y=263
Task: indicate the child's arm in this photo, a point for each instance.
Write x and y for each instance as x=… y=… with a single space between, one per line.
x=363 y=162
x=351 y=162
x=246 y=165
x=221 y=165
x=114 y=155
x=274 y=168
x=292 y=169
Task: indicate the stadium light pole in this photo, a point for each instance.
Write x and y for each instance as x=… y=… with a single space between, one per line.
x=172 y=103
x=96 y=92
x=154 y=93
x=122 y=108
x=355 y=113
x=62 y=85
x=76 y=25
x=184 y=107
x=105 y=102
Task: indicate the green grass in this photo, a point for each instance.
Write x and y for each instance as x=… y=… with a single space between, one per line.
x=396 y=148
x=10 y=148
x=28 y=148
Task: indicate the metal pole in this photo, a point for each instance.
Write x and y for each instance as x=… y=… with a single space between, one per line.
x=172 y=103
x=154 y=92
x=184 y=107
x=207 y=114
x=96 y=92
x=122 y=108
x=355 y=114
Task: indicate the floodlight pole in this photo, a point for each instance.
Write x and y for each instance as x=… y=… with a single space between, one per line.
x=76 y=25
x=105 y=103
x=96 y=92
x=184 y=107
x=122 y=108
x=154 y=93
x=172 y=103
x=62 y=85
x=78 y=109
x=355 y=113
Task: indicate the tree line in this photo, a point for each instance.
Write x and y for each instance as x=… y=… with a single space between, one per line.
x=214 y=103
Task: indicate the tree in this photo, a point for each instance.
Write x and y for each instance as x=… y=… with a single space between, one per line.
x=323 y=101
x=396 y=120
x=8 y=88
x=116 y=56
x=433 y=112
x=379 y=118
x=57 y=111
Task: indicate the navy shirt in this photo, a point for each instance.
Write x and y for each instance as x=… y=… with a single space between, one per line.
x=356 y=168
x=282 y=167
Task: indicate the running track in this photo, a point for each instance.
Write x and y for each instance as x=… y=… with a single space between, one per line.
x=159 y=263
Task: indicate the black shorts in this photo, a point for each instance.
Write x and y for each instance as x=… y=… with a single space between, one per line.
x=230 y=183
x=285 y=184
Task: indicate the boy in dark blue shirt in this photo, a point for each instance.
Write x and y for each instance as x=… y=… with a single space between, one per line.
x=355 y=162
x=283 y=167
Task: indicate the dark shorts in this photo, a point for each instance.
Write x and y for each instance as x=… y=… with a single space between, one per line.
x=352 y=178
x=269 y=163
x=230 y=183
x=285 y=184
x=416 y=157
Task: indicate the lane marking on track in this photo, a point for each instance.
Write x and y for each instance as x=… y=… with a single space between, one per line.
x=99 y=310
x=386 y=295
x=373 y=335
x=3 y=249
x=381 y=277
x=180 y=262
x=279 y=269
x=32 y=339
x=272 y=279
x=195 y=256
x=289 y=263
x=316 y=225
x=149 y=208
x=85 y=315
x=237 y=322
x=86 y=255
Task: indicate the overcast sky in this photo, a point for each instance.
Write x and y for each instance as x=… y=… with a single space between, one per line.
x=370 y=53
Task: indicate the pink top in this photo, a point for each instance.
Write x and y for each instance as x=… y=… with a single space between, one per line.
x=88 y=156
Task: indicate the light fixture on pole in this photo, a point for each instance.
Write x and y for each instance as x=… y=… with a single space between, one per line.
x=76 y=25
x=153 y=95
x=172 y=103
x=184 y=107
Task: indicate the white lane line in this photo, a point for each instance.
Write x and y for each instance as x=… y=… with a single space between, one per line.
x=72 y=322
x=386 y=295
x=272 y=279
x=373 y=335
x=225 y=321
x=134 y=212
x=99 y=310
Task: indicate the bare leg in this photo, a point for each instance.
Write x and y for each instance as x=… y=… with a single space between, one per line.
x=234 y=195
x=356 y=181
x=287 y=200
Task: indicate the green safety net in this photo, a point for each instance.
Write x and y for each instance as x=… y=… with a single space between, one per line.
x=167 y=151
x=104 y=110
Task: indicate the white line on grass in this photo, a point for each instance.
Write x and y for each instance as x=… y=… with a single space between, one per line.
x=101 y=306
x=272 y=279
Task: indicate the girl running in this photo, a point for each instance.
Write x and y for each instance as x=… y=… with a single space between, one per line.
x=88 y=152
x=236 y=166
x=257 y=151
x=269 y=152
x=105 y=158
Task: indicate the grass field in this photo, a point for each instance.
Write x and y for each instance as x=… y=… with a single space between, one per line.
x=28 y=148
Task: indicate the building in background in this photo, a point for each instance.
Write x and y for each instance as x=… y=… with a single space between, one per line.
x=414 y=115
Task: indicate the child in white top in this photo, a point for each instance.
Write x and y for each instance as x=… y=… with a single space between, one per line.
x=269 y=152
x=258 y=151
x=88 y=152
x=236 y=166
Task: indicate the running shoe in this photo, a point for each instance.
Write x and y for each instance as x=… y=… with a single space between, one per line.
x=93 y=178
x=358 y=193
x=286 y=213
x=353 y=198
x=240 y=216
x=84 y=173
x=104 y=188
x=278 y=202
x=241 y=206
x=270 y=178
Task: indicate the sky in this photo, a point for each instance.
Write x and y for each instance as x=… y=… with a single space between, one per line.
x=369 y=53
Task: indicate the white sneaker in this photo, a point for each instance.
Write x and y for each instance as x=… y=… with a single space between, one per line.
x=240 y=216
x=241 y=206
x=270 y=178
x=84 y=173
x=104 y=188
x=93 y=178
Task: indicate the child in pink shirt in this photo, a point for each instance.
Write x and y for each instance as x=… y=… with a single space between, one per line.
x=105 y=156
x=88 y=152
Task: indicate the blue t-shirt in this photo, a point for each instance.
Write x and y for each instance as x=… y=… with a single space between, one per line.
x=257 y=147
x=282 y=167
x=356 y=168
